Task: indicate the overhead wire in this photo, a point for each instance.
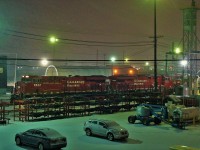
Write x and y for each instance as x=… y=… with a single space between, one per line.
x=80 y=41
x=83 y=42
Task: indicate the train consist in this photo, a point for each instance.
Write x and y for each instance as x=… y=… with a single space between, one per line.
x=51 y=85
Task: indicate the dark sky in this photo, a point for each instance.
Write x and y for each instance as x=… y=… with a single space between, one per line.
x=27 y=24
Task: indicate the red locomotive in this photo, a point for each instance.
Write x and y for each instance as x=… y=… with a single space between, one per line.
x=49 y=85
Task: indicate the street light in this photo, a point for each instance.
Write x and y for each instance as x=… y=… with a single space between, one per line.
x=183 y=63
x=185 y=88
x=44 y=62
x=177 y=50
x=112 y=61
x=53 y=40
x=126 y=60
x=147 y=67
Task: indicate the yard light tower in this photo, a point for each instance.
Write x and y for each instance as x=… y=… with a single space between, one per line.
x=190 y=42
x=53 y=40
x=113 y=59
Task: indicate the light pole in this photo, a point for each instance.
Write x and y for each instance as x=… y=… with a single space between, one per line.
x=185 y=88
x=155 y=48
x=183 y=63
x=112 y=61
x=53 y=40
x=147 y=67
x=175 y=52
x=15 y=75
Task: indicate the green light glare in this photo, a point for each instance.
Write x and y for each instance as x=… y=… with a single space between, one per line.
x=177 y=50
x=53 y=39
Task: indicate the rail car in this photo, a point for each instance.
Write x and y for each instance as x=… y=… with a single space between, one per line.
x=51 y=85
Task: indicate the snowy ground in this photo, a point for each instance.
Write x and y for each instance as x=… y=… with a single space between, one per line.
x=141 y=137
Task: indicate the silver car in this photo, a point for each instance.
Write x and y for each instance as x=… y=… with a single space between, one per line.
x=106 y=128
x=42 y=138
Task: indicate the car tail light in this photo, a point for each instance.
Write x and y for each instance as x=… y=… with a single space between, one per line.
x=64 y=139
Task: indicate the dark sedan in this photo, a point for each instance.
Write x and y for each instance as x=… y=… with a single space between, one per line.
x=42 y=138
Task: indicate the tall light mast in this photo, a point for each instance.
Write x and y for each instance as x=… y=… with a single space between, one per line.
x=190 y=43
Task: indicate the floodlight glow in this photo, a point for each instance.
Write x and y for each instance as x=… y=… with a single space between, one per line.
x=113 y=59
x=184 y=63
x=44 y=62
x=177 y=50
x=131 y=71
x=53 y=39
x=115 y=71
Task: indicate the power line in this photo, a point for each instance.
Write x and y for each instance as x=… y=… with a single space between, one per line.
x=82 y=41
x=88 y=43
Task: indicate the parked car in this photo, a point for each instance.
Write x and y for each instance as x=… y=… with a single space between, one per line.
x=42 y=138
x=106 y=128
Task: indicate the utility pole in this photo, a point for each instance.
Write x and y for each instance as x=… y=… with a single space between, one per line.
x=155 y=48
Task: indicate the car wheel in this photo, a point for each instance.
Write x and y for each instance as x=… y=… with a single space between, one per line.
x=110 y=137
x=40 y=146
x=88 y=132
x=18 y=141
x=131 y=119
x=157 y=120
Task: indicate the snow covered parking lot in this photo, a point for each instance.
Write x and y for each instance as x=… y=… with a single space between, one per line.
x=141 y=137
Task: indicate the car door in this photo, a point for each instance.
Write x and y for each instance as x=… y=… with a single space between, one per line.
x=38 y=137
x=94 y=127
x=26 y=137
x=34 y=138
x=102 y=129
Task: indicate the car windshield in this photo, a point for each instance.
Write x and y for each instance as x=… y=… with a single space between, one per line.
x=112 y=123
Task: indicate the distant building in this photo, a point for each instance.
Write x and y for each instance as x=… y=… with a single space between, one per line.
x=3 y=74
x=96 y=70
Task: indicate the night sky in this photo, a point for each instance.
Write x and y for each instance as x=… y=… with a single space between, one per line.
x=90 y=29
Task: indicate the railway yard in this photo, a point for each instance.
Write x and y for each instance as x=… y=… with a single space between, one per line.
x=92 y=75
